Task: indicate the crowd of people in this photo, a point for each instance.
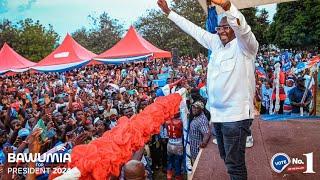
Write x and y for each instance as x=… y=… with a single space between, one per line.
x=75 y=107
x=295 y=78
x=41 y=111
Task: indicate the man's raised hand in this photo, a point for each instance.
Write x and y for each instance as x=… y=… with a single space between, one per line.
x=164 y=6
x=80 y=139
x=7 y=150
x=33 y=140
x=225 y=4
x=218 y=2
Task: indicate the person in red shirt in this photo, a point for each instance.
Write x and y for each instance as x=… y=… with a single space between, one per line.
x=202 y=82
x=174 y=148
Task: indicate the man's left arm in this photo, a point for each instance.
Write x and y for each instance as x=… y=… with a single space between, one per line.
x=204 y=128
x=246 y=39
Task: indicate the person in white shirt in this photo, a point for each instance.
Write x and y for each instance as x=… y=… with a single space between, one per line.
x=230 y=80
x=266 y=94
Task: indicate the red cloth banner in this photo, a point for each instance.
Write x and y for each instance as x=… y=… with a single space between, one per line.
x=105 y=156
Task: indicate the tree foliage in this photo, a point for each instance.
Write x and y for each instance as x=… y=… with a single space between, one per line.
x=30 y=39
x=258 y=21
x=296 y=25
x=262 y=27
x=160 y=31
x=105 y=33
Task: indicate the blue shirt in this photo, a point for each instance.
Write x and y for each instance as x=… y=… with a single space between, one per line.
x=295 y=95
x=164 y=70
x=2 y=155
x=145 y=70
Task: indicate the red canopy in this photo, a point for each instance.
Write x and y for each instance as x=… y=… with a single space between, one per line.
x=68 y=52
x=10 y=60
x=134 y=45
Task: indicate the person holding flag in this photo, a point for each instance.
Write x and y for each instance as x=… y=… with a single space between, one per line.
x=179 y=87
x=230 y=80
x=296 y=96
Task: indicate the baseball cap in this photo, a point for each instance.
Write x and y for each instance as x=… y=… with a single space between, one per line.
x=113 y=112
x=23 y=132
x=100 y=108
x=198 y=104
x=122 y=90
x=290 y=79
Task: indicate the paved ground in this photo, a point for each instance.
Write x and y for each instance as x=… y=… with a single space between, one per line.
x=295 y=138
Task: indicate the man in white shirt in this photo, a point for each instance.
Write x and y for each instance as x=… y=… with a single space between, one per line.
x=230 y=80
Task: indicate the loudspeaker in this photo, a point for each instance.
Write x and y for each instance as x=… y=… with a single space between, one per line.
x=175 y=56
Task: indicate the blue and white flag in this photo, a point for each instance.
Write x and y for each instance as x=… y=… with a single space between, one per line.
x=286 y=67
x=211 y=23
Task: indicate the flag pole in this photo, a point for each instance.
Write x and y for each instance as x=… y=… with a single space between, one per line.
x=305 y=94
x=315 y=92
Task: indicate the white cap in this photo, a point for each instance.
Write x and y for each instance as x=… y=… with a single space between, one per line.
x=123 y=89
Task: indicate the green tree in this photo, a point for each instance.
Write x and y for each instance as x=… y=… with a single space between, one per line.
x=82 y=37
x=262 y=27
x=163 y=33
x=258 y=21
x=160 y=31
x=30 y=39
x=35 y=41
x=8 y=32
x=296 y=25
x=250 y=15
x=105 y=33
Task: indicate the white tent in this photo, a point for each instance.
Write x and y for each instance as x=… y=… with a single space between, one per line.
x=241 y=4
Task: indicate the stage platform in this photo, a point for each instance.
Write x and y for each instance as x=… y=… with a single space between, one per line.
x=293 y=137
